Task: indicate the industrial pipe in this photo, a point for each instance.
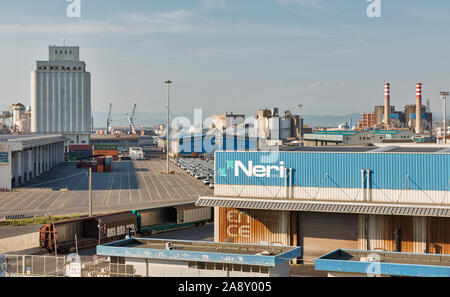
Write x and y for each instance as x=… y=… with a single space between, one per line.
x=290 y=183
x=362 y=184
x=286 y=182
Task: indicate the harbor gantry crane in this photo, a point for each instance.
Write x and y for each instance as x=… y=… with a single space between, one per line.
x=131 y=120
x=108 y=120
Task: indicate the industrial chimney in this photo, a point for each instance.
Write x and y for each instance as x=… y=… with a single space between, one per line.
x=418 y=108
x=387 y=103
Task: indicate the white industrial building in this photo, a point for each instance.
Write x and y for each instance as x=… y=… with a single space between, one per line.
x=61 y=95
x=24 y=157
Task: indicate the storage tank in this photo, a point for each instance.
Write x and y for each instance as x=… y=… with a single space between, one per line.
x=261 y=127
x=274 y=128
x=285 y=128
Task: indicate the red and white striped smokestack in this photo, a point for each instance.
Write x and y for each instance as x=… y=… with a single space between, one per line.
x=387 y=103
x=418 y=108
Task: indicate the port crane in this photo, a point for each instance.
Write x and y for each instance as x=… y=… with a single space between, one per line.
x=131 y=120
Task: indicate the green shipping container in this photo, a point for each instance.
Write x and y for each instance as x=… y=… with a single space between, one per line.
x=104 y=147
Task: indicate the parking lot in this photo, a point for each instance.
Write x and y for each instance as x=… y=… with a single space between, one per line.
x=132 y=184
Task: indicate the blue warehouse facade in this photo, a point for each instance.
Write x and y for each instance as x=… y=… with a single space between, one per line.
x=323 y=199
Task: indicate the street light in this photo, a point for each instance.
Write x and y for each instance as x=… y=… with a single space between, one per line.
x=168 y=82
x=444 y=99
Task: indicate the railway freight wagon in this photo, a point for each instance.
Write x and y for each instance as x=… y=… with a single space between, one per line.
x=112 y=227
x=171 y=217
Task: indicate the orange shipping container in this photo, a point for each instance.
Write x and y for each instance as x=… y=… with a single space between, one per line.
x=106 y=152
x=100 y=168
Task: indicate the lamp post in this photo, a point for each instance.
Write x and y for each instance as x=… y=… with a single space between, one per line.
x=444 y=99
x=168 y=82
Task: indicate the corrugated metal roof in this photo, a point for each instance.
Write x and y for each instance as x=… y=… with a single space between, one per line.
x=336 y=207
x=330 y=149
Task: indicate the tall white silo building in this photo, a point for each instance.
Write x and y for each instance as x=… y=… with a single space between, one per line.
x=61 y=95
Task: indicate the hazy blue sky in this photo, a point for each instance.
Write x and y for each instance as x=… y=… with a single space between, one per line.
x=236 y=55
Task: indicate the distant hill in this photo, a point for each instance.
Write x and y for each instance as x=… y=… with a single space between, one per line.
x=150 y=120
x=330 y=120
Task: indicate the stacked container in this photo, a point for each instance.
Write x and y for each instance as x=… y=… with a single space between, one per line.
x=100 y=164
x=108 y=164
x=94 y=166
x=79 y=151
x=107 y=150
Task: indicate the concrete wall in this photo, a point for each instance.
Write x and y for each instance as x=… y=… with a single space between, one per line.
x=19 y=243
x=167 y=268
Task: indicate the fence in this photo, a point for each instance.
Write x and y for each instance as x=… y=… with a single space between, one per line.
x=31 y=265
x=59 y=266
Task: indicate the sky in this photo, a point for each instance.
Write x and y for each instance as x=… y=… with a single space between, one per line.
x=235 y=55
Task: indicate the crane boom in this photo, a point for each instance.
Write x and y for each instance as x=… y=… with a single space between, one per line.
x=131 y=119
x=108 y=120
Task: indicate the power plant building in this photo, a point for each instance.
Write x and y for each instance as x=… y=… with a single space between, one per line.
x=61 y=95
x=386 y=117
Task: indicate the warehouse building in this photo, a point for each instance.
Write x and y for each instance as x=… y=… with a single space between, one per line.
x=24 y=157
x=388 y=198
x=180 y=258
x=321 y=138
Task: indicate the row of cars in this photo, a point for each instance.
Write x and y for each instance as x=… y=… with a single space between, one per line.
x=198 y=168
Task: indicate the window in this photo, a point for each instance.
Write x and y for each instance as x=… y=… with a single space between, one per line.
x=66 y=52
x=255 y=269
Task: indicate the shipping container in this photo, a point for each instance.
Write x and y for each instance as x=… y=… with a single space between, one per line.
x=171 y=217
x=106 y=152
x=105 y=147
x=393 y=177
x=100 y=160
x=108 y=160
x=107 y=168
x=100 y=168
x=79 y=154
x=192 y=213
x=83 y=147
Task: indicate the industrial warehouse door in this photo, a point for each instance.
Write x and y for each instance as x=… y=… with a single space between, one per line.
x=321 y=233
x=380 y=230
x=438 y=239
x=253 y=226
